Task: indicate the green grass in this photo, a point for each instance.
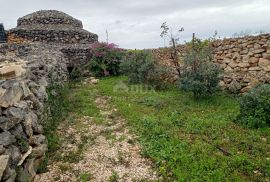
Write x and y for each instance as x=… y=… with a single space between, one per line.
x=192 y=140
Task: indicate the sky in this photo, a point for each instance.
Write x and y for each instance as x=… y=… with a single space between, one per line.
x=136 y=23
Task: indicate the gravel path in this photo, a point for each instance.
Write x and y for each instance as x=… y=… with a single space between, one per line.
x=108 y=151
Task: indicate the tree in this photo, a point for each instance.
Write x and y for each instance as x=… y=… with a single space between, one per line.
x=167 y=32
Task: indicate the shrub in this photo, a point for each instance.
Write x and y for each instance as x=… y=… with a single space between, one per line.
x=140 y=67
x=255 y=107
x=200 y=75
x=106 y=59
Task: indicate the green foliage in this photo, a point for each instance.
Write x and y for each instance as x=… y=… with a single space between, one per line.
x=200 y=75
x=106 y=59
x=23 y=144
x=86 y=177
x=186 y=139
x=56 y=110
x=255 y=107
x=114 y=177
x=141 y=68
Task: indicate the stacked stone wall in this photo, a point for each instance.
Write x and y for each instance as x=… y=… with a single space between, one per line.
x=245 y=61
x=26 y=70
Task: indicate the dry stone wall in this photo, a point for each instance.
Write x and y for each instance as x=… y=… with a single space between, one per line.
x=245 y=61
x=38 y=54
x=26 y=71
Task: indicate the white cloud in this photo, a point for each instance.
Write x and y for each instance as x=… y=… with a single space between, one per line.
x=136 y=24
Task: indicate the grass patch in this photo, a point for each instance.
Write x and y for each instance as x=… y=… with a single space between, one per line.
x=192 y=140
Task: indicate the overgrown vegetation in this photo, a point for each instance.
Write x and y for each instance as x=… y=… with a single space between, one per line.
x=106 y=59
x=200 y=74
x=55 y=112
x=192 y=140
x=140 y=67
x=255 y=107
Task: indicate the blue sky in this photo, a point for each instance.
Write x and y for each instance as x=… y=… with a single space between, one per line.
x=136 y=24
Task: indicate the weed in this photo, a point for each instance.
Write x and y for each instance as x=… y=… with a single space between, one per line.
x=114 y=177
x=84 y=177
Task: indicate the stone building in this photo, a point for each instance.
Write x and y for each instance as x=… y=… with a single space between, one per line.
x=39 y=52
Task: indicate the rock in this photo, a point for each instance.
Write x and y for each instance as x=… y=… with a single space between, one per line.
x=232 y=64
x=12 y=70
x=14 y=153
x=25 y=156
x=10 y=175
x=37 y=140
x=255 y=69
x=11 y=96
x=228 y=69
x=243 y=65
x=26 y=91
x=15 y=113
x=253 y=60
x=39 y=151
x=3 y=164
x=234 y=87
x=264 y=64
x=258 y=51
x=6 y=138
x=29 y=166
x=2 y=149
x=18 y=132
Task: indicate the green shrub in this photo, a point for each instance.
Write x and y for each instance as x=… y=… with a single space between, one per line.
x=255 y=107
x=140 y=67
x=106 y=59
x=200 y=75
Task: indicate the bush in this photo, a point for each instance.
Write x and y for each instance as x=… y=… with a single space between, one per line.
x=106 y=59
x=200 y=75
x=255 y=107
x=140 y=67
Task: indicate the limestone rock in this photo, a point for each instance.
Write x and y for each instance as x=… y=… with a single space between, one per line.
x=3 y=164
x=264 y=64
x=258 y=51
x=11 y=96
x=6 y=138
x=234 y=86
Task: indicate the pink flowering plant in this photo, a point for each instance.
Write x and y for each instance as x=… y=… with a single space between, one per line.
x=106 y=59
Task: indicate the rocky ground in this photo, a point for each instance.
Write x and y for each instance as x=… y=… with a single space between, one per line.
x=98 y=149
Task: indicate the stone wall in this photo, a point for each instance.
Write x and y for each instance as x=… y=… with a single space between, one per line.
x=26 y=71
x=38 y=54
x=245 y=61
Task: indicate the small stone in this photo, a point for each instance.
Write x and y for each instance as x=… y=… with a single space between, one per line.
x=243 y=65
x=258 y=51
x=6 y=138
x=11 y=96
x=37 y=140
x=254 y=69
x=253 y=60
x=234 y=87
x=39 y=151
x=264 y=64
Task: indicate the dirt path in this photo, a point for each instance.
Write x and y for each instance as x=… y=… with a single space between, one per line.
x=98 y=152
